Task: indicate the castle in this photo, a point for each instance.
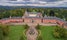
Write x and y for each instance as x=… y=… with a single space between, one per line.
x=34 y=17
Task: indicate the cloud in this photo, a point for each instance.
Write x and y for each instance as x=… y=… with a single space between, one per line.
x=47 y=3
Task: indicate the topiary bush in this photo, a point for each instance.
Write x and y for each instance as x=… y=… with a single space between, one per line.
x=26 y=26
x=38 y=27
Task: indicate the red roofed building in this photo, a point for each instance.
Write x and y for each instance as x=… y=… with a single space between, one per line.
x=33 y=17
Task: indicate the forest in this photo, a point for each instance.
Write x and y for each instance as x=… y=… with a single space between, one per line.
x=19 y=12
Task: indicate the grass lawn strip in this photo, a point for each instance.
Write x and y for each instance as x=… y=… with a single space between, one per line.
x=15 y=32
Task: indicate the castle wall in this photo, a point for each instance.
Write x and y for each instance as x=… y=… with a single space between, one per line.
x=36 y=20
x=60 y=22
x=49 y=21
x=27 y=20
x=11 y=21
x=33 y=20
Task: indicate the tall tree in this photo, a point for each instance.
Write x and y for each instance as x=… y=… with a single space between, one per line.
x=52 y=13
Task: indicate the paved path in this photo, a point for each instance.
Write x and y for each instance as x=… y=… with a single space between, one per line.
x=34 y=34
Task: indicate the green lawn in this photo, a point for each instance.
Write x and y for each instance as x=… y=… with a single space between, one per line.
x=46 y=33
x=15 y=32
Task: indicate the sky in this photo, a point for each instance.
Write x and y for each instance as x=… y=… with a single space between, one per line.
x=46 y=3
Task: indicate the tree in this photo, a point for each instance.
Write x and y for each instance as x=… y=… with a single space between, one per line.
x=5 y=29
x=60 y=32
x=1 y=34
x=51 y=13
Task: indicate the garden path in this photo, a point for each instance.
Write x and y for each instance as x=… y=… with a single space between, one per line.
x=32 y=33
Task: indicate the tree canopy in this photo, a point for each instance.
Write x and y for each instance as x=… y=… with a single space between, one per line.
x=61 y=13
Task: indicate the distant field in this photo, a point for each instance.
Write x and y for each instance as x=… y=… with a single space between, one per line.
x=15 y=32
x=46 y=33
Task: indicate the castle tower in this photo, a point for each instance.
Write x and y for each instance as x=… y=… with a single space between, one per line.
x=25 y=14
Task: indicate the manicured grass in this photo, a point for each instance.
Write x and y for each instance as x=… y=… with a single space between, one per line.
x=46 y=33
x=15 y=32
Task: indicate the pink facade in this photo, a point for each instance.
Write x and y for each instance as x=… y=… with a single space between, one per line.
x=11 y=21
x=27 y=20
x=32 y=20
x=60 y=22
x=36 y=20
x=49 y=21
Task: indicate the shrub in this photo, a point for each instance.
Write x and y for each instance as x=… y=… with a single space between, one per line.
x=22 y=38
x=26 y=26
x=39 y=38
x=38 y=27
x=56 y=34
